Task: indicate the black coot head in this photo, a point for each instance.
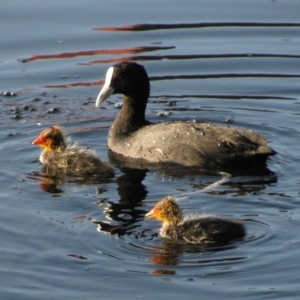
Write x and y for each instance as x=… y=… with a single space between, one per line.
x=128 y=78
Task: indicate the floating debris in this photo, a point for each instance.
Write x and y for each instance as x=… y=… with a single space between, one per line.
x=8 y=94
x=163 y=113
x=171 y=103
x=53 y=110
x=17 y=116
x=77 y=256
x=28 y=108
x=15 y=109
x=118 y=105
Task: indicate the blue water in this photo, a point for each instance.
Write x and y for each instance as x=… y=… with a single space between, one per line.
x=230 y=62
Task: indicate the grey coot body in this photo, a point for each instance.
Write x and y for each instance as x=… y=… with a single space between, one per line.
x=204 y=146
x=72 y=160
x=201 y=229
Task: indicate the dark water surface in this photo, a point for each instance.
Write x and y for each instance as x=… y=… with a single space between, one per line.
x=228 y=62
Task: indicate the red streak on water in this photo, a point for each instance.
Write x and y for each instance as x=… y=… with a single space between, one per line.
x=92 y=53
x=68 y=85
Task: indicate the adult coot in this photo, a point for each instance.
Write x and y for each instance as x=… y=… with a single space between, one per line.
x=202 y=145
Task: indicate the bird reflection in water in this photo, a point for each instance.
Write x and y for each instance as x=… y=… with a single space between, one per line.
x=173 y=254
x=126 y=212
x=51 y=182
